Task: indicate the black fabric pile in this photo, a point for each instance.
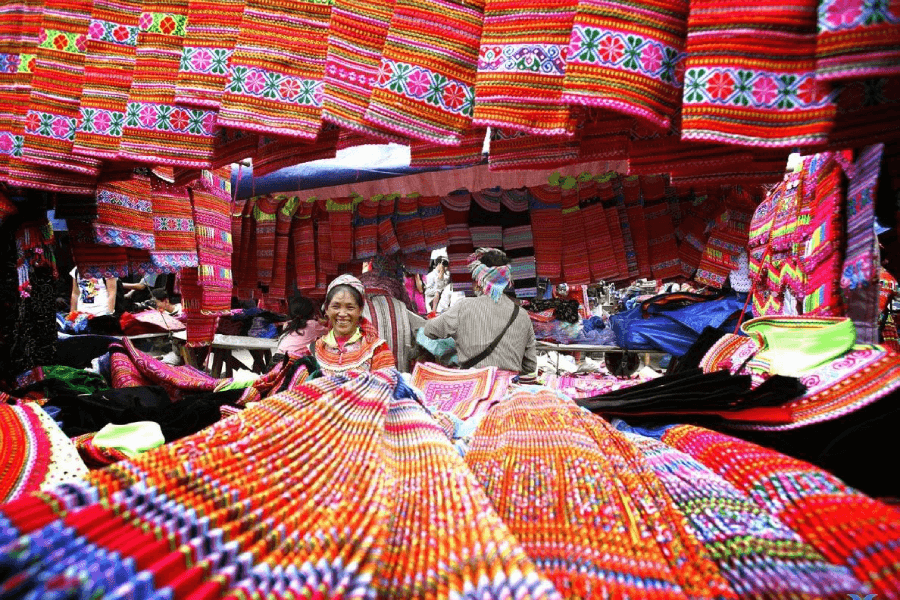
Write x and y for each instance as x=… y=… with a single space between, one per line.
x=693 y=390
x=563 y=310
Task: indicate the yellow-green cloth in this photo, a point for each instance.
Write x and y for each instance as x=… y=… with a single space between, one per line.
x=792 y=346
x=131 y=439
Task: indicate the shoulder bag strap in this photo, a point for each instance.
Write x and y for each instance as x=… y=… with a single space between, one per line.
x=490 y=348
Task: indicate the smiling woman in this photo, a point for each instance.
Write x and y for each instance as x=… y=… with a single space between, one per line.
x=352 y=343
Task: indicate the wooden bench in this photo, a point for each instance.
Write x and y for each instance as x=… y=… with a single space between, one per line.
x=222 y=351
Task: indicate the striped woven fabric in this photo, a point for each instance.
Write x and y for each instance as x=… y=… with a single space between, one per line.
x=93 y=259
x=304 y=246
x=173 y=226
x=340 y=220
x=772 y=561
x=857 y=39
x=609 y=201
x=628 y=58
x=408 y=224
x=279 y=152
x=575 y=257
x=278 y=91
x=382 y=474
x=125 y=213
x=631 y=192
x=156 y=129
x=601 y=256
x=661 y=241
x=211 y=199
x=610 y=186
x=264 y=220
x=484 y=219
x=25 y=450
x=200 y=328
x=56 y=83
x=390 y=318
x=387 y=237
x=759 y=88
x=553 y=472
x=455 y=207
x=544 y=203
x=365 y=229
x=467 y=154
x=847 y=527
x=434 y=227
x=522 y=64
x=237 y=210
x=356 y=38
x=518 y=241
x=233 y=145
x=19 y=26
x=604 y=135
x=210 y=36
x=283 y=271
x=108 y=66
x=326 y=267
x=512 y=150
x=425 y=84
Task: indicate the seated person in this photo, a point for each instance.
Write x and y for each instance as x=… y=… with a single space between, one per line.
x=165 y=304
x=484 y=328
x=351 y=342
x=301 y=331
x=93 y=296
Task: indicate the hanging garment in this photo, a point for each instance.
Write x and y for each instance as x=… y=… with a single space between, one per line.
x=455 y=207
x=575 y=257
x=484 y=219
x=303 y=241
x=210 y=198
x=283 y=269
x=544 y=203
x=434 y=226
x=365 y=228
x=280 y=152
x=856 y=40
x=634 y=209
x=518 y=241
x=173 y=226
x=408 y=225
x=340 y=221
x=125 y=213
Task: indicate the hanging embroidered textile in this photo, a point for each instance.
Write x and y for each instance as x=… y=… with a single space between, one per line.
x=600 y=252
x=664 y=261
x=365 y=228
x=264 y=217
x=233 y=145
x=604 y=135
x=108 y=66
x=244 y=264
x=619 y=212
x=283 y=269
x=387 y=238
x=857 y=39
x=821 y=241
x=544 y=202
x=484 y=219
x=575 y=257
x=867 y=111
x=468 y=153
x=455 y=207
x=434 y=226
x=521 y=66
x=553 y=472
x=210 y=36
x=424 y=89
x=727 y=240
x=340 y=221
x=125 y=213
x=211 y=199
x=304 y=245
x=512 y=150
x=326 y=267
x=408 y=225
x=93 y=259
x=634 y=209
x=157 y=129
x=173 y=226
x=56 y=83
x=772 y=560
x=518 y=241
x=352 y=63
x=833 y=518
x=19 y=26
x=628 y=59
x=276 y=153
x=279 y=91
x=237 y=210
x=200 y=327
x=759 y=88
x=609 y=201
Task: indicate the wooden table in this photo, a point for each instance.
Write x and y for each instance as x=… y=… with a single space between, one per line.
x=222 y=350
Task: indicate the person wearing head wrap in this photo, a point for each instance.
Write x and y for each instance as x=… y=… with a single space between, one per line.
x=477 y=323
x=352 y=343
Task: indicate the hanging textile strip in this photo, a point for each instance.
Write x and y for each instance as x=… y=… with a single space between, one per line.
x=425 y=84
x=456 y=391
x=93 y=259
x=455 y=207
x=25 y=449
x=468 y=153
x=19 y=26
x=340 y=221
x=233 y=145
x=760 y=88
x=867 y=113
x=856 y=40
x=246 y=265
x=173 y=226
x=518 y=241
x=575 y=259
x=108 y=66
x=520 y=74
x=200 y=328
x=604 y=135
x=820 y=249
x=511 y=150
x=387 y=238
x=634 y=209
x=278 y=91
x=408 y=225
x=624 y=225
x=303 y=244
x=327 y=267
x=211 y=33
x=282 y=270
x=418 y=262
x=276 y=153
x=125 y=213
x=544 y=202
x=664 y=261
x=365 y=228
x=607 y=195
x=211 y=200
x=434 y=227
x=859 y=277
x=56 y=83
x=356 y=38
x=754 y=550
x=847 y=527
x=484 y=219
x=628 y=58
x=237 y=210
x=600 y=251
x=552 y=493
x=264 y=218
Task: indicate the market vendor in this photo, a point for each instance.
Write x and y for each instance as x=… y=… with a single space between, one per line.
x=490 y=329
x=352 y=343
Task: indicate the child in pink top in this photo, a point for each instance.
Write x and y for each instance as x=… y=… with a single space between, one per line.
x=302 y=330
